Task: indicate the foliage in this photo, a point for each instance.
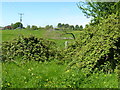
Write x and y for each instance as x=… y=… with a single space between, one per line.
x=17 y=24
x=48 y=27
x=76 y=27
x=99 y=10
x=98 y=47
x=28 y=27
x=81 y=27
x=29 y=48
x=34 y=27
x=69 y=27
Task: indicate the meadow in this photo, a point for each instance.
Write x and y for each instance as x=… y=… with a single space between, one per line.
x=34 y=74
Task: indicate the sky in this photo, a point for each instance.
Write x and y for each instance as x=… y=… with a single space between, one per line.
x=42 y=13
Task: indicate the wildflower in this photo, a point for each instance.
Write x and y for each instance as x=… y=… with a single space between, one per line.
x=73 y=75
x=67 y=70
x=24 y=77
x=29 y=69
x=8 y=84
x=46 y=79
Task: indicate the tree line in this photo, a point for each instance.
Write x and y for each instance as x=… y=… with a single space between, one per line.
x=60 y=26
x=70 y=27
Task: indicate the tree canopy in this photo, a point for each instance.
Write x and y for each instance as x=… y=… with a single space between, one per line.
x=99 y=10
x=16 y=25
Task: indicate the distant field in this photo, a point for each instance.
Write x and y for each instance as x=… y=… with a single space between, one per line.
x=58 y=36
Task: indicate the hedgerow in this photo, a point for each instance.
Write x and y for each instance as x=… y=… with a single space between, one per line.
x=98 y=47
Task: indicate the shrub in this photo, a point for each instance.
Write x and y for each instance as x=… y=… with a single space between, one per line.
x=29 y=48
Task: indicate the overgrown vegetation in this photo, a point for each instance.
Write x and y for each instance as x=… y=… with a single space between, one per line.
x=98 y=47
x=90 y=61
x=94 y=54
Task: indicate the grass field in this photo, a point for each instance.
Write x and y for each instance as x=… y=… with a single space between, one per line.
x=31 y=74
x=51 y=75
x=57 y=36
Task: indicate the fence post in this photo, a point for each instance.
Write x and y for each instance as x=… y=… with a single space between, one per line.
x=66 y=44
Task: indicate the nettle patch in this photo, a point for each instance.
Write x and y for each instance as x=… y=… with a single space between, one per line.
x=29 y=48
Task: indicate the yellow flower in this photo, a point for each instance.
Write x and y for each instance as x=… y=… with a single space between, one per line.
x=105 y=75
x=67 y=70
x=8 y=84
x=29 y=69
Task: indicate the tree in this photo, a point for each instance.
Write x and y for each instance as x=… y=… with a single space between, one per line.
x=47 y=27
x=17 y=24
x=28 y=27
x=71 y=27
x=41 y=28
x=98 y=10
x=66 y=25
x=51 y=27
x=86 y=26
x=63 y=26
x=76 y=27
x=81 y=27
x=34 y=27
x=59 y=25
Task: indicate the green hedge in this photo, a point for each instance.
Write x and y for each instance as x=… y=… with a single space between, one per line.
x=98 y=47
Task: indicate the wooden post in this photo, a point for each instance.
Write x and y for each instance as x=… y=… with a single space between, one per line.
x=66 y=44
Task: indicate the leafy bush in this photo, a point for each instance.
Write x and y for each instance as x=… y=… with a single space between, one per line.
x=98 y=47
x=29 y=48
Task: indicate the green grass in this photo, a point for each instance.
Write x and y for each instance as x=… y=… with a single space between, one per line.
x=57 y=36
x=8 y=35
x=33 y=74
